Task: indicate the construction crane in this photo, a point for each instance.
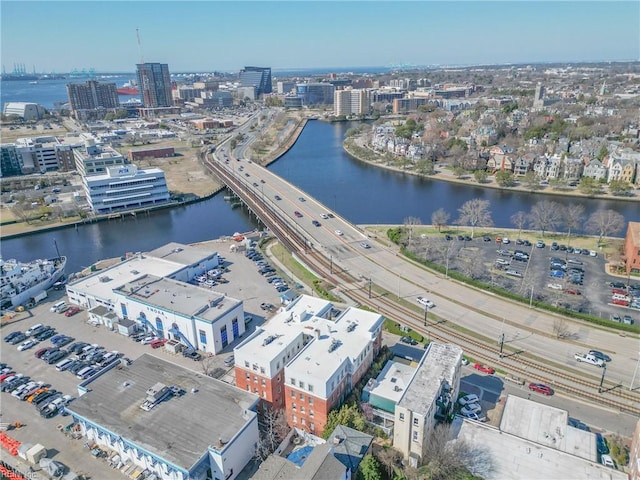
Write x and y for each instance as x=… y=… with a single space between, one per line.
x=139 y=46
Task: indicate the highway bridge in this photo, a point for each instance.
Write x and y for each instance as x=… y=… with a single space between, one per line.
x=372 y=273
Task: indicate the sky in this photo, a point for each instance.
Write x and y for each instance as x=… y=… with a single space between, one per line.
x=203 y=36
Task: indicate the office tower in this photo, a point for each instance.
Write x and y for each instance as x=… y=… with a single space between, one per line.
x=259 y=77
x=91 y=95
x=154 y=82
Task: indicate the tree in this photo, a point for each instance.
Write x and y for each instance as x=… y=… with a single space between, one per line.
x=589 y=186
x=480 y=176
x=519 y=219
x=390 y=458
x=22 y=211
x=604 y=223
x=573 y=216
x=505 y=178
x=604 y=151
x=619 y=187
x=439 y=219
x=370 y=468
x=458 y=171
x=530 y=180
x=347 y=415
x=475 y=213
x=273 y=429
x=425 y=166
x=561 y=328
x=545 y=215
x=409 y=223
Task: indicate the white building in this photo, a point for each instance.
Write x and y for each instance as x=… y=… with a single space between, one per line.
x=126 y=187
x=351 y=102
x=42 y=154
x=206 y=430
x=26 y=110
x=95 y=159
x=430 y=396
x=153 y=290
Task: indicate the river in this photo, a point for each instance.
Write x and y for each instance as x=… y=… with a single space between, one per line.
x=317 y=163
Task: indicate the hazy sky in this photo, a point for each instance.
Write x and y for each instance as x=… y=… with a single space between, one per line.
x=199 y=36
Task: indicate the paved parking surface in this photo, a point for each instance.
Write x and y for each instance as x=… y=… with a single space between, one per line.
x=530 y=274
x=244 y=282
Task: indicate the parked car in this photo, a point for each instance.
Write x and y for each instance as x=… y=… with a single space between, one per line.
x=540 y=244
x=20 y=337
x=471 y=408
x=540 y=388
x=27 y=344
x=470 y=398
x=158 y=342
x=484 y=368
x=193 y=355
x=408 y=340
x=598 y=354
x=229 y=361
x=601 y=445
x=72 y=311
x=11 y=336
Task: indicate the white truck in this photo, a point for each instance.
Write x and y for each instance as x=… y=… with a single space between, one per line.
x=588 y=358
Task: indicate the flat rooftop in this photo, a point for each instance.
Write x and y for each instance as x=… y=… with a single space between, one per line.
x=502 y=455
x=439 y=364
x=183 y=298
x=547 y=426
x=183 y=254
x=179 y=429
x=101 y=284
x=392 y=381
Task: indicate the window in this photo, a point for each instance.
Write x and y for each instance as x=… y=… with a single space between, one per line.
x=203 y=336
x=264 y=394
x=293 y=406
x=310 y=387
x=255 y=379
x=264 y=382
x=311 y=413
x=295 y=419
x=415 y=422
x=301 y=409
x=246 y=364
x=312 y=427
x=415 y=436
x=293 y=394
x=303 y=421
x=310 y=400
x=402 y=417
x=293 y=382
x=247 y=376
x=301 y=384
x=262 y=370
x=302 y=397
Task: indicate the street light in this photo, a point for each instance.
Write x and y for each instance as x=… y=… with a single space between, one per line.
x=604 y=371
x=426 y=313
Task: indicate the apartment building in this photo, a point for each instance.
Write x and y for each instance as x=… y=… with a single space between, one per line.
x=429 y=397
x=307 y=358
x=92 y=99
x=351 y=102
x=155 y=85
x=632 y=247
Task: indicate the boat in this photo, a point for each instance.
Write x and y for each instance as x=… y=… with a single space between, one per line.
x=21 y=282
x=129 y=88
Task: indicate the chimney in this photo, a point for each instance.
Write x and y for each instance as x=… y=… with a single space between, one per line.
x=317 y=331
x=337 y=440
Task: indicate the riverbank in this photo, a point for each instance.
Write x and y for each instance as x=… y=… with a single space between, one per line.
x=192 y=180
x=447 y=175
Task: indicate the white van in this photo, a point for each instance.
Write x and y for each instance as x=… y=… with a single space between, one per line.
x=58 y=306
x=34 y=328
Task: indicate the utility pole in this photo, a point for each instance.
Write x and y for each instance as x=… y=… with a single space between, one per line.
x=331 y=265
x=604 y=371
x=426 y=312
x=501 y=343
x=369 y=287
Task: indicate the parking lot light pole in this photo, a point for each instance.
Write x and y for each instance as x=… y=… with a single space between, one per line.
x=501 y=343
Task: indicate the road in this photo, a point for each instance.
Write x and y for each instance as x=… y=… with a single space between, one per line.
x=528 y=330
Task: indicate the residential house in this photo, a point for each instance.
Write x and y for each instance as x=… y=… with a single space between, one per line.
x=499 y=159
x=595 y=169
x=621 y=169
x=523 y=164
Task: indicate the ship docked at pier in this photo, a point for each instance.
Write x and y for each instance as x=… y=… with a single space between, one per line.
x=21 y=282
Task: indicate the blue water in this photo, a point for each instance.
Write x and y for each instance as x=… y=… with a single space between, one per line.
x=299 y=456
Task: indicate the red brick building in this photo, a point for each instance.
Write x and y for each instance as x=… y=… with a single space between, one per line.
x=151 y=153
x=632 y=248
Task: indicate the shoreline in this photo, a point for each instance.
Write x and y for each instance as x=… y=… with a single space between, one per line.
x=447 y=176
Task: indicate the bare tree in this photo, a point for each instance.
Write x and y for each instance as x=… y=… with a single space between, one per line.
x=439 y=218
x=22 y=211
x=545 y=215
x=409 y=223
x=475 y=213
x=561 y=328
x=573 y=216
x=273 y=429
x=519 y=219
x=389 y=458
x=449 y=250
x=604 y=223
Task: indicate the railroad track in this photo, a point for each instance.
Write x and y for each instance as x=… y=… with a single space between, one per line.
x=557 y=377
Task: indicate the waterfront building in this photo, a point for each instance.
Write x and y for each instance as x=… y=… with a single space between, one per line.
x=125 y=187
x=92 y=99
x=351 y=102
x=258 y=77
x=429 y=398
x=24 y=110
x=172 y=422
x=155 y=85
x=315 y=93
x=307 y=358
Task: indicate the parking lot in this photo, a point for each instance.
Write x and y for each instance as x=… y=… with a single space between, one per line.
x=242 y=281
x=544 y=271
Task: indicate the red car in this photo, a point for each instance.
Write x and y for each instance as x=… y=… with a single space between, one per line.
x=540 y=388
x=624 y=303
x=498 y=239
x=158 y=342
x=618 y=291
x=484 y=368
x=41 y=352
x=72 y=311
x=573 y=291
x=297 y=214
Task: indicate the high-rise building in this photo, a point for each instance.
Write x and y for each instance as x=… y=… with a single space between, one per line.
x=92 y=94
x=350 y=101
x=259 y=77
x=538 y=98
x=154 y=82
x=10 y=160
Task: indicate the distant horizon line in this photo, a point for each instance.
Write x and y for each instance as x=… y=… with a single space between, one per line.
x=334 y=69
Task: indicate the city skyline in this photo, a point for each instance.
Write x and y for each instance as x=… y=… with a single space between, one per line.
x=312 y=34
